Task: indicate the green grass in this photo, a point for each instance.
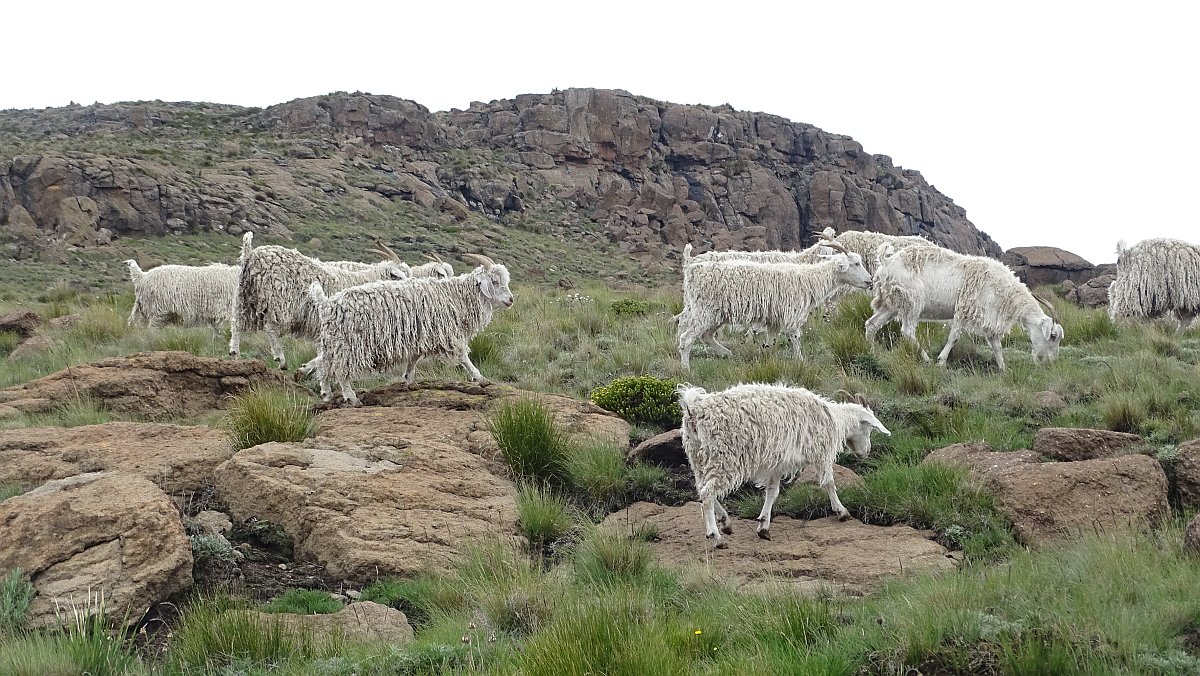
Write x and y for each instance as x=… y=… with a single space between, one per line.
x=263 y=414
x=543 y=517
x=531 y=443
x=303 y=602
x=10 y=490
x=16 y=593
x=598 y=472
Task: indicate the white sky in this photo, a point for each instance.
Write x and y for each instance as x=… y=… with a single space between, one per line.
x=1069 y=124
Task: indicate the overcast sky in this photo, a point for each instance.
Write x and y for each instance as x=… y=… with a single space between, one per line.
x=1052 y=123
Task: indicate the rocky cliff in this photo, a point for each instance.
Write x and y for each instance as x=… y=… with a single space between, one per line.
x=585 y=166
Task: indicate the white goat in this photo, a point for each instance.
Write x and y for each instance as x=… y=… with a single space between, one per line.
x=978 y=295
x=376 y=326
x=187 y=294
x=764 y=433
x=778 y=296
x=866 y=243
x=1157 y=278
x=273 y=292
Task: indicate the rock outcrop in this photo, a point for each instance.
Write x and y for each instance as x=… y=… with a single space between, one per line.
x=823 y=554
x=179 y=460
x=1093 y=293
x=150 y=385
x=1187 y=473
x=361 y=621
x=1047 y=500
x=1041 y=265
x=102 y=536
x=591 y=163
x=398 y=486
x=1070 y=444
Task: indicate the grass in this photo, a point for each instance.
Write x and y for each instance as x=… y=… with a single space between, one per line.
x=303 y=602
x=597 y=470
x=542 y=516
x=16 y=593
x=264 y=414
x=10 y=490
x=531 y=443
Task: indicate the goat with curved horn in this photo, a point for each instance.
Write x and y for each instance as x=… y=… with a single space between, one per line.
x=486 y=262
x=385 y=251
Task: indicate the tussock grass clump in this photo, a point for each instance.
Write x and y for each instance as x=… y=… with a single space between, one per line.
x=264 y=414
x=597 y=470
x=641 y=399
x=16 y=593
x=304 y=602
x=1123 y=413
x=10 y=490
x=531 y=443
x=606 y=557
x=9 y=340
x=486 y=348
x=417 y=597
x=543 y=517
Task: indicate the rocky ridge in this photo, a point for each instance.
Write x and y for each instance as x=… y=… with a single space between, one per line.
x=601 y=166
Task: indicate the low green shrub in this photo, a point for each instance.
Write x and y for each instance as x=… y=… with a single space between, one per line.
x=631 y=307
x=641 y=399
x=304 y=602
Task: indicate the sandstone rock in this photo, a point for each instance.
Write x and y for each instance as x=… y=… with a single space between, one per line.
x=398 y=486
x=361 y=621
x=1048 y=500
x=1070 y=444
x=812 y=555
x=179 y=460
x=1094 y=292
x=152 y=385
x=64 y=322
x=1187 y=473
x=214 y=523
x=1049 y=401
x=1191 y=536
x=662 y=449
x=21 y=323
x=105 y=533
x=979 y=457
x=842 y=478
x=1041 y=265
x=31 y=346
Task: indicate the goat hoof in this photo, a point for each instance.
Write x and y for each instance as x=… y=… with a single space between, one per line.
x=765 y=534
x=844 y=516
x=298 y=375
x=758 y=519
x=728 y=530
x=721 y=545
x=709 y=536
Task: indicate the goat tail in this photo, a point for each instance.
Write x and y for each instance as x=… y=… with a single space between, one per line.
x=687 y=253
x=317 y=295
x=135 y=272
x=689 y=395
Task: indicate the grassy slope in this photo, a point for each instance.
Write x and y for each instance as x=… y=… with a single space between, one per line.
x=1009 y=611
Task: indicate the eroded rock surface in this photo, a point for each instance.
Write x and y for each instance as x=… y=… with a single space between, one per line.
x=150 y=385
x=106 y=533
x=1070 y=444
x=395 y=489
x=362 y=621
x=847 y=556
x=178 y=459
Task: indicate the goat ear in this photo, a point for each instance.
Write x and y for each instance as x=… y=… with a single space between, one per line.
x=868 y=418
x=485 y=284
x=1047 y=327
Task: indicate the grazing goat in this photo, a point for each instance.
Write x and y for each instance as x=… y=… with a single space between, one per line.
x=778 y=296
x=1157 y=278
x=273 y=292
x=764 y=433
x=866 y=243
x=978 y=295
x=376 y=326
x=187 y=294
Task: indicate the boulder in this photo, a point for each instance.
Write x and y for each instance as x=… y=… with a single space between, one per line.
x=1041 y=265
x=150 y=385
x=1191 y=536
x=180 y=460
x=1049 y=401
x=24 y=324
x=1070 y=444
x=1187 y=473
x=843 y=477
x=813 y=556
x=979 y=458
x=662 y=449
x=31 y=346
x=365 y=621
x=213 y=523
x=1094 y=292
x=101 y=535
x=1048 y=500
x=398 y=486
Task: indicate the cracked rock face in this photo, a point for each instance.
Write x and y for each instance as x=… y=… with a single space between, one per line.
x=822 y=554
x=105 y=534
x=397 y=487
x=150 y=385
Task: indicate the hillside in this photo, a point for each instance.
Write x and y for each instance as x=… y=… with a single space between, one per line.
x=587 y=182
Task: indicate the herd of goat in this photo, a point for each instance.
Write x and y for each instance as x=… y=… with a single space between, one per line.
x=370 y=317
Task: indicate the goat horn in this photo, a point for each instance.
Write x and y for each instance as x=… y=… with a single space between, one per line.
x=433 y=256
x=486 y=262
x=385 y=250
x=861 y=399
x=844 y=394
x=1049 y=306
x=835 y=245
